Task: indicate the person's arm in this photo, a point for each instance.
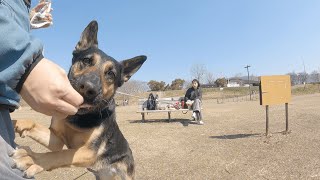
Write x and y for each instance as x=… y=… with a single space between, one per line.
x=196 y=94
x=43 y=84
x=19 y=52
x=188 y=94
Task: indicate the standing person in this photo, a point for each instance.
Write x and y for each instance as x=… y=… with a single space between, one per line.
x=24 y=71
x=193 y=98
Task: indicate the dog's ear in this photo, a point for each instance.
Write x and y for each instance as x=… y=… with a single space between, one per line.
x=131 y=66
x=88 y=37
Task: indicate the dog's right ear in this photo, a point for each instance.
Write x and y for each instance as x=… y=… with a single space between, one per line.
x=89 y=37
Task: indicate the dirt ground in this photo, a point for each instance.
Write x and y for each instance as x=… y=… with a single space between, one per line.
x=231 y=144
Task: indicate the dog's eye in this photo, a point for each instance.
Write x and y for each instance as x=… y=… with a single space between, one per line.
x=110 y=75
x=87 y=61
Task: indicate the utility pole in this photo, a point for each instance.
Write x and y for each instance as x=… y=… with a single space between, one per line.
x=247 y=67
x=305 y=75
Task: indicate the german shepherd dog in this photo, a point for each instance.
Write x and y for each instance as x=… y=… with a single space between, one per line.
x=92 y=136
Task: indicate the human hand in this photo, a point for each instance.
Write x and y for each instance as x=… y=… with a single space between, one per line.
x=48 y=91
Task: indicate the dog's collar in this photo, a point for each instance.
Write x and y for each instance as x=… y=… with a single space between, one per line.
x=102 y=114
x=90 y=120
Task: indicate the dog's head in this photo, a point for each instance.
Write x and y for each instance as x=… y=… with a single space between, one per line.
x=94 y=74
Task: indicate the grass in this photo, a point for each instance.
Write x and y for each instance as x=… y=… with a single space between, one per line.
x=309 y=89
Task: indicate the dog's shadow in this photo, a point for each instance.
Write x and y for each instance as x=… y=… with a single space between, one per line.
x=184 y=122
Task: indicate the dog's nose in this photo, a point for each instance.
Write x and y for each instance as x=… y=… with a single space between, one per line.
x=88 y=90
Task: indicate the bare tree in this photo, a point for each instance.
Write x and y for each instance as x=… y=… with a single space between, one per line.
x=198 y=71
x=314 y=76
x=303 y=77
x=187 y=84
x=210 y=78
x=294 y=78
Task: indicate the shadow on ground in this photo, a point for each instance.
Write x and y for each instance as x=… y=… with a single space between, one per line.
x=236 y=136
x=184 y=122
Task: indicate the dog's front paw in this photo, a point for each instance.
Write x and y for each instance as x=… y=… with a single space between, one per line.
x=24 y=161
x=23 y=127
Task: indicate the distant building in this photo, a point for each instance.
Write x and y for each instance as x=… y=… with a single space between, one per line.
x=238 y=82
x=234 y=82
x=252 y=83
x=208 y=85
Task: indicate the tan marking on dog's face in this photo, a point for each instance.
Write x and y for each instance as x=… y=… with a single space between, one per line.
x=108 y=83
x=95 y=60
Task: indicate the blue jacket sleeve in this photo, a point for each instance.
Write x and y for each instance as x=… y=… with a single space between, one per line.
x=19 y=51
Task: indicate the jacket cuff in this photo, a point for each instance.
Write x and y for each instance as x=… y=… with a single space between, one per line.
x=28 y=71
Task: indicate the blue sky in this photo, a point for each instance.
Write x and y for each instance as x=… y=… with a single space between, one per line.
x=273 y=36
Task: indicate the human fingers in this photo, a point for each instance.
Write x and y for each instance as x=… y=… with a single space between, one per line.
x=64 y=107
x=72 y=96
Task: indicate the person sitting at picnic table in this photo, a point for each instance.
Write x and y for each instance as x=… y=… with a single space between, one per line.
x=193 y=99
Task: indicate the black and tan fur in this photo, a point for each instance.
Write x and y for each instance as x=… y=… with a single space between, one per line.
x=92 y=136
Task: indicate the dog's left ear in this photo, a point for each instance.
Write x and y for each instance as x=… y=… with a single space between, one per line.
x=131 y=66
x=88 y=37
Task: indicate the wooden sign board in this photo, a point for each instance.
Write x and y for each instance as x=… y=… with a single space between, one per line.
x=275 y=90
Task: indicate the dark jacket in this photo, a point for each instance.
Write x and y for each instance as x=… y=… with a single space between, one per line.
x=193 y=94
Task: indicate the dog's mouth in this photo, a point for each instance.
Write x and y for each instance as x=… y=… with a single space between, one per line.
x=89 y=107
x=85 y=108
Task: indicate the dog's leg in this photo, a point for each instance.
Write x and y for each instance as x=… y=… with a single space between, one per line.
x=39 y=133
x=34 y=163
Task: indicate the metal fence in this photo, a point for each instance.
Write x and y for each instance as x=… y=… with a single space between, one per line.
x=235 y=98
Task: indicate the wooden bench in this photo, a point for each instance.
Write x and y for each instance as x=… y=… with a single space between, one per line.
x=163 y=104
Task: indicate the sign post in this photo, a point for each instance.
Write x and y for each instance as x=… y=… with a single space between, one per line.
x=267 y=120
x=287 y=119
x=275 y=90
